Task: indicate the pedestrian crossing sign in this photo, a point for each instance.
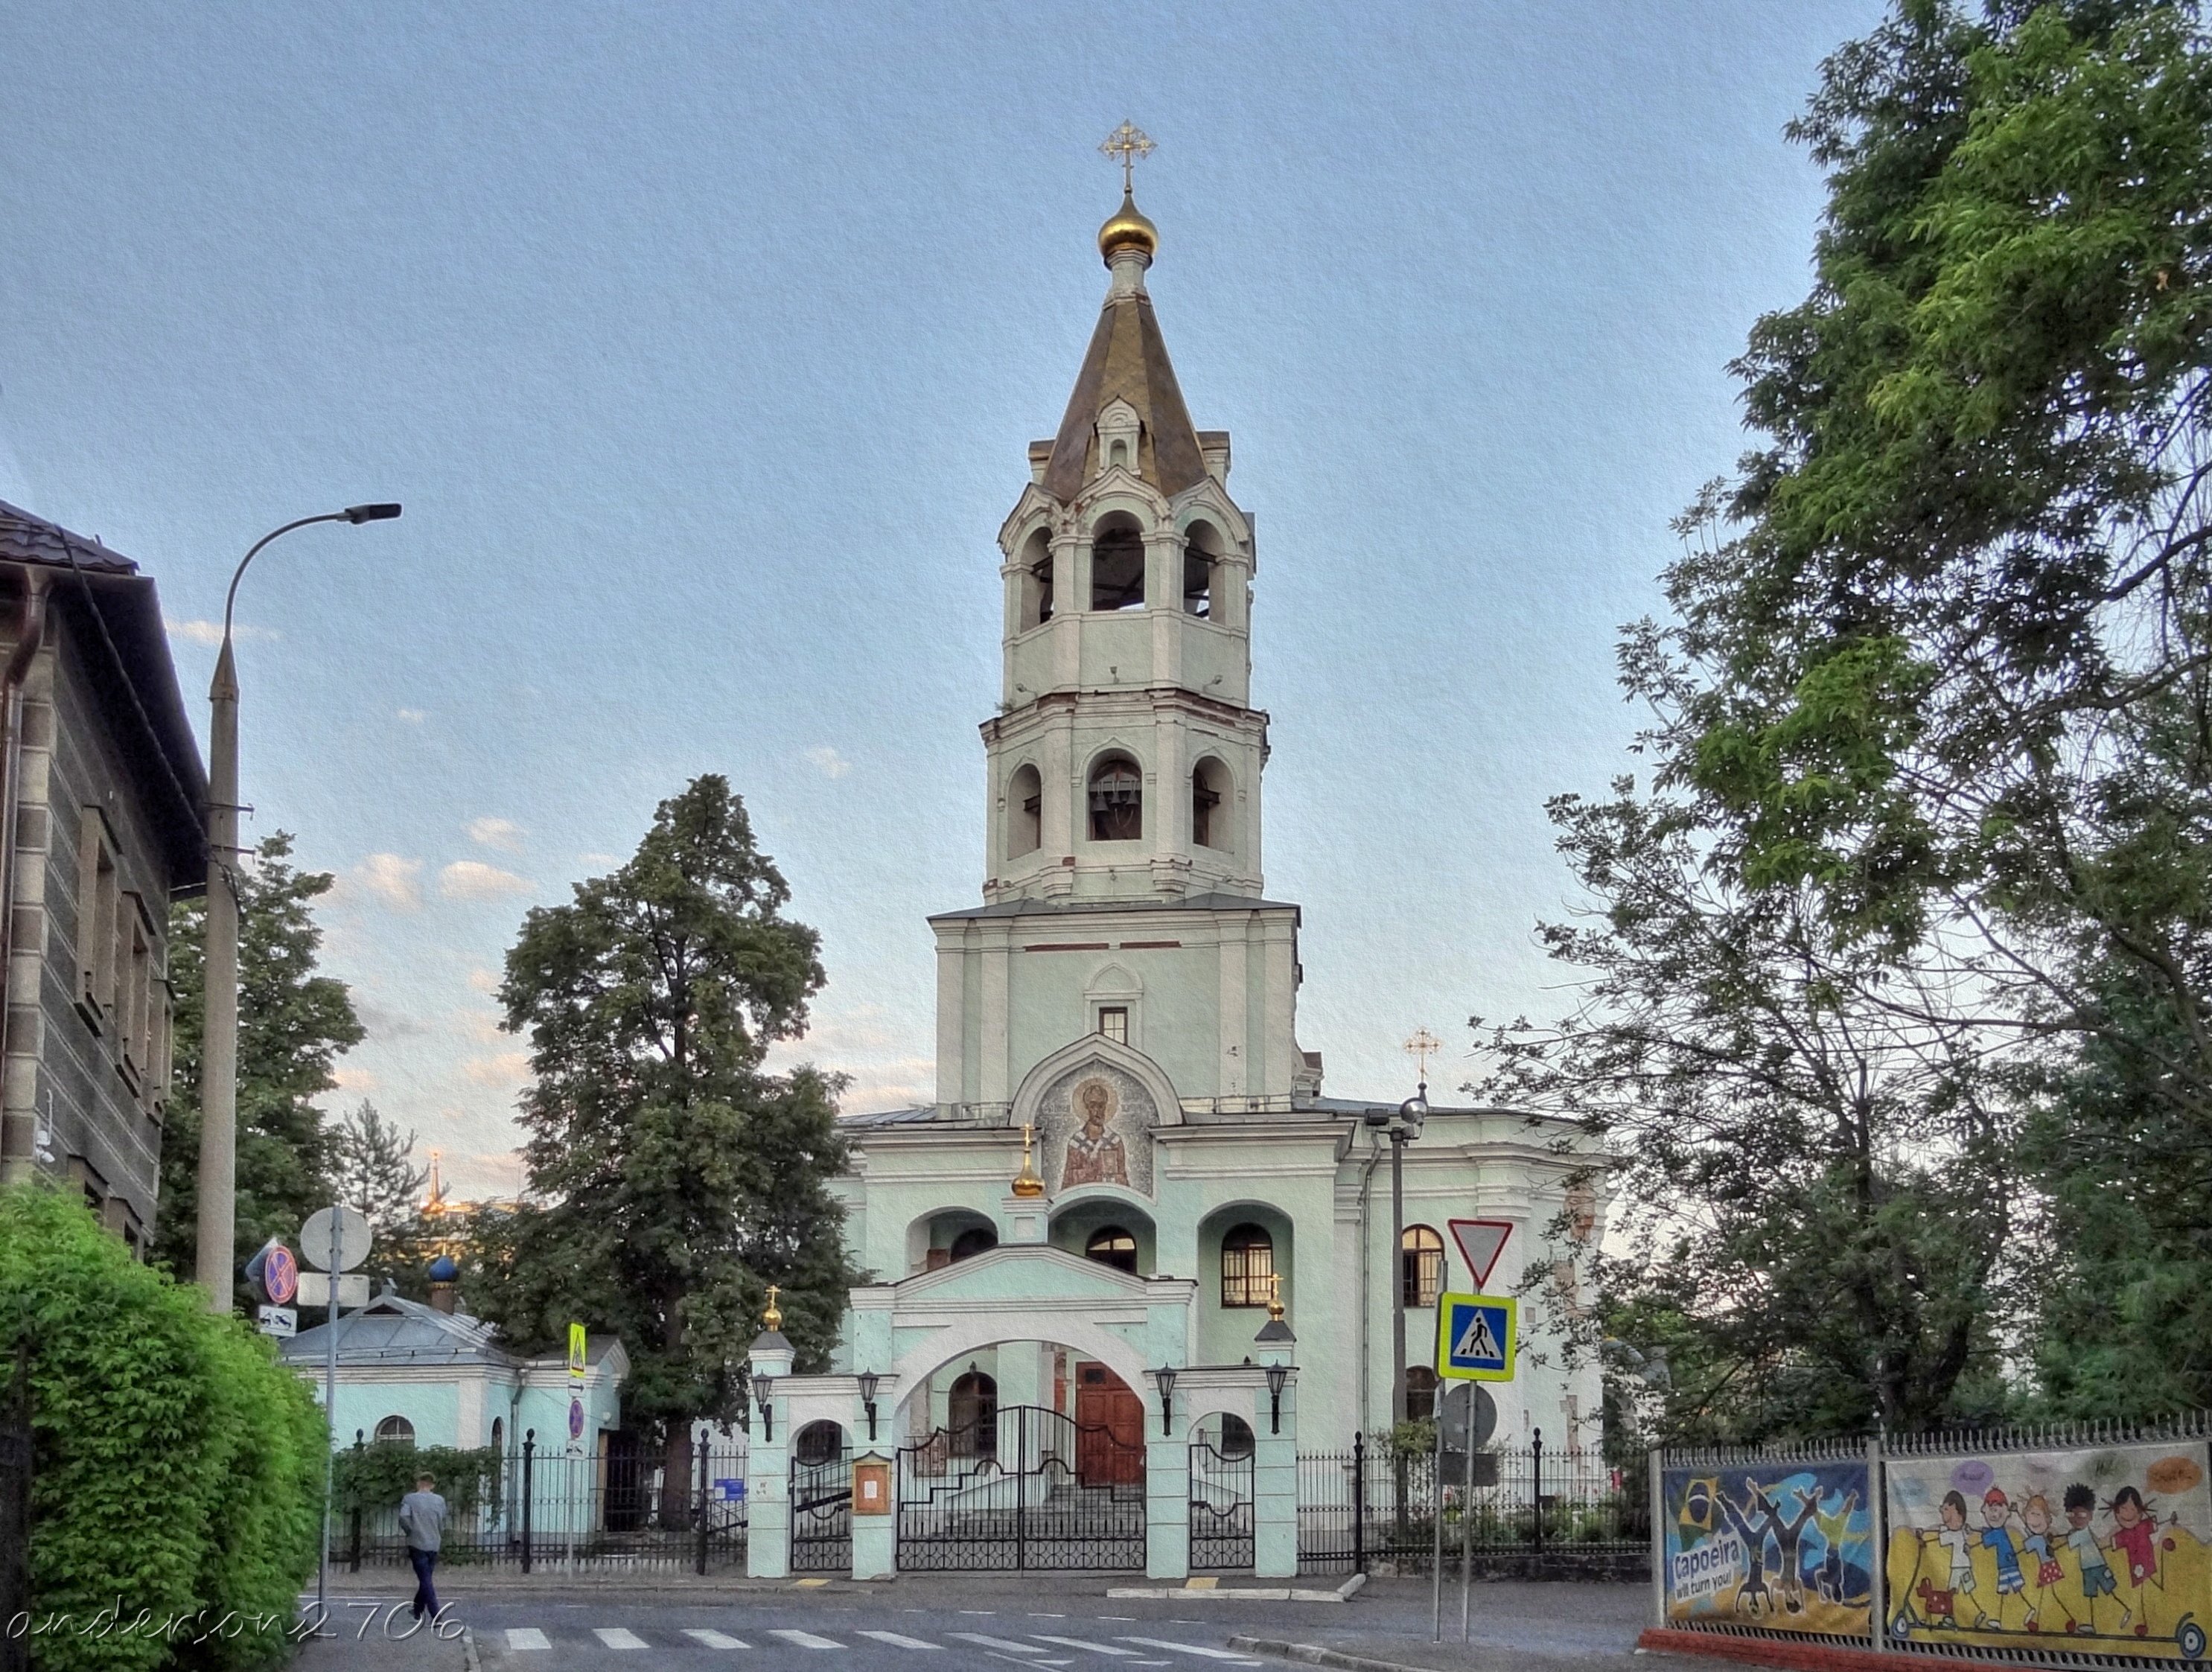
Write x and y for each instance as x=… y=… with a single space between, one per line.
x=1476 y=1337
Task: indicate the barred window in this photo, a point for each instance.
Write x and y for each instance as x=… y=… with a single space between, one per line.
x=1421 y=1265
x=1248 y=1267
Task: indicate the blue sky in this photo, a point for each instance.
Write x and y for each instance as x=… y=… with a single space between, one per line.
x=704 y=344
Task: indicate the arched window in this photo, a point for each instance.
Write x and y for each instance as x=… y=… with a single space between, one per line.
x=971 y=1415
x=1117 y=565
x=1247 y=1266
x=498 y=1437
x=1117 y=800
x=1110 y=1245
x=1209 y=813
x=1421 y=1265
x=1200 y=558
x=1420 y=1392
x=395 y=1431
x=817 y=1444
x=1236 y=1436
x=977 y=1239
x=1037 y=581
x=1024 y=812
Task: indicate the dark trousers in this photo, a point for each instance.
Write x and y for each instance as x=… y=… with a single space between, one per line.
x=426 y=1594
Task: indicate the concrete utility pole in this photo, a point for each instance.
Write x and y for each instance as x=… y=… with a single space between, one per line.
x=1402 y=1125
x=217 y=1252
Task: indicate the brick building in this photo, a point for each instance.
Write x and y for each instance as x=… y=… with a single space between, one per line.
x=102 y=799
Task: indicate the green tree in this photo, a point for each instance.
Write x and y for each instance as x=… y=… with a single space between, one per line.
x=1817 y=1187
x=373 y=1170
x=1939 y=658
x=671 y=1178
x=293 y=1025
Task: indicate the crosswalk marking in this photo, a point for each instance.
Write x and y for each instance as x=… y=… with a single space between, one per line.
x=807 y=1640
x=526 y=1636
x=619 y=1637
x=715 y=1639
x=1078 y=1643
x=1193 y=1649
x=899 y=1640
x=1006 y=1644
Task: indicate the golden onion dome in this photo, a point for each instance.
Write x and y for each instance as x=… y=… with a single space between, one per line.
x=1128 y=228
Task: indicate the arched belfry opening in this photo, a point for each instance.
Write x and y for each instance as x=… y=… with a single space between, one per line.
x=1117 y=563
x=1211 y=799
x=1201 y=563
x=1117 y=800
x=1036 y=581
x=1024 y=812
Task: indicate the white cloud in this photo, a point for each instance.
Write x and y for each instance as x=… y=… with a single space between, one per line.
x=597 y=858
x=482 y=980
x=503 y=834
x=209 y=633
x=412 y=716
x=392 y=880
x=353 y=1079
x=501 y=1068
x=472 y=880
x=830 y=764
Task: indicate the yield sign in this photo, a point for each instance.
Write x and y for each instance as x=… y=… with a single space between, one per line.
x=1480 y=1242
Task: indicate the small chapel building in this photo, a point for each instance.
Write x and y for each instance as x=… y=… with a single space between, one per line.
x=1121 y=1087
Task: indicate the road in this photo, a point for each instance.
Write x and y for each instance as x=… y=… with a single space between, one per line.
x=942 y=1623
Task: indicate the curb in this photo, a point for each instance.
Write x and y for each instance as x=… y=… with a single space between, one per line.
x=1202 y=1591
x=1312 y=1654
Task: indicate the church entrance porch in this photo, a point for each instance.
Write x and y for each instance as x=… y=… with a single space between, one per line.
x=1027 y=1488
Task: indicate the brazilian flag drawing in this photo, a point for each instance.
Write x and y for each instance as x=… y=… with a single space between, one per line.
x=1697 y=1508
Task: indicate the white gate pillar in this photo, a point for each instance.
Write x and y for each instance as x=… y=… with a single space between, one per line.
x=1275 y=1454
x=768 y=1458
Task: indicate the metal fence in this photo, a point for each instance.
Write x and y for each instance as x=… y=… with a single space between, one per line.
x=1371 y=1505
x=542 y=1511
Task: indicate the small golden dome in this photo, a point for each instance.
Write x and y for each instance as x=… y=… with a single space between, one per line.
x=1128 y=228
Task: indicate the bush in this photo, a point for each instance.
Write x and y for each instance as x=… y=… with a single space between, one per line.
x=177 y=1466
x=374 y=1478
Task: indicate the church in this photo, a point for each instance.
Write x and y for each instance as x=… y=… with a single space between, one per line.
x=1131 y=1166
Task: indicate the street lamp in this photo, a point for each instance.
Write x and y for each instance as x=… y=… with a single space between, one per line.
x=1165 y=1377
x=868 y=1379
x=1403 y=1125
x=765 y=1388
x=218 y=1171
x=1278 y=1377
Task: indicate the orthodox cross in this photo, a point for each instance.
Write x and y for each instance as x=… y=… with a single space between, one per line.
x=1128 y=143
x=1423 y=1046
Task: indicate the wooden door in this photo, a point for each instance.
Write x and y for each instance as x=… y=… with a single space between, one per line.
x=1109 y=1446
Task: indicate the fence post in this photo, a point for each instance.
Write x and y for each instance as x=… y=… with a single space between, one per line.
x=529 y=1456
x=1536 y=1485
x=353 y=1517
x=1359 y=1503
x=1657 y=1467
x=699 y=1564
x=1877 y=1540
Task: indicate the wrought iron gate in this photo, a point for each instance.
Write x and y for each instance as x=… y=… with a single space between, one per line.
x=822 y=1513
x=1220 y=1507
x=1022 y=1487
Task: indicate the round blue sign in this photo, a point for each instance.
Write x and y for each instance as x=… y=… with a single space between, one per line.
x=575 y=1419
x=280 y=1275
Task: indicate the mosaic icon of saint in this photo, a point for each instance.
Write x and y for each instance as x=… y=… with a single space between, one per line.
x=1095 y=1155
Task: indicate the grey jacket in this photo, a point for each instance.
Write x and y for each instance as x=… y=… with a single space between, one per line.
x=423 y=1519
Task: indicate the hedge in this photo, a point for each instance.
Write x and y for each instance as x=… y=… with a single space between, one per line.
x=178 y=1467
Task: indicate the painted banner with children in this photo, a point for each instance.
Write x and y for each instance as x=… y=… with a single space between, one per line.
x=1788 y=1545
x=2102 y=1549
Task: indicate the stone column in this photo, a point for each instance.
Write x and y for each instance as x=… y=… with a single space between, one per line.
x=875 y=1521
x=768 y=1459
x=1275 y=1462
x=1167 y=1504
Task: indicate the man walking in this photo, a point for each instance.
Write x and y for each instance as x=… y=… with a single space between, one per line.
x=423 y=1519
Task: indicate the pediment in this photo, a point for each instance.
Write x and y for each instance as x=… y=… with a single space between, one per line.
x=1033 y=1272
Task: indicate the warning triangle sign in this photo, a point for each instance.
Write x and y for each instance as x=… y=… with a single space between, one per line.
x=1478 y=1341
x=1480 y=1242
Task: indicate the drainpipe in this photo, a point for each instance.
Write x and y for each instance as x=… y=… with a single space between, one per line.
x=30 y=634
x=1366 y=1261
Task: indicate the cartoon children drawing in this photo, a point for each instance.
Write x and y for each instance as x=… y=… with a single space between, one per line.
x=2035 y=1545
x=2097 y=1579
x=1998 y=1536
x=1954 y=1536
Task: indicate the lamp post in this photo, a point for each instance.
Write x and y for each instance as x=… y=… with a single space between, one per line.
x=1403 y=1125
x=1165 y=1377
x=869 y=1381
x=218 y=1169
x=764 y=1393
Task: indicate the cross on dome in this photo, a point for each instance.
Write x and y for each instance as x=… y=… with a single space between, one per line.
x=1129 y=142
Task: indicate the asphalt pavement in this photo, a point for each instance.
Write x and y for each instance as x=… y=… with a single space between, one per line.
x=939 y=1623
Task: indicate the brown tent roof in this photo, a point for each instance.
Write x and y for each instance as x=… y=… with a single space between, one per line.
x=1128 y=360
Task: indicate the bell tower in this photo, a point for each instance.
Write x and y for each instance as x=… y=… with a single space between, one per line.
x=1122 y=891
x=1125 y=759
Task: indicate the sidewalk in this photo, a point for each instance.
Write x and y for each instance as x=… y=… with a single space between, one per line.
x=359 y=1645
x=1510 y=1623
